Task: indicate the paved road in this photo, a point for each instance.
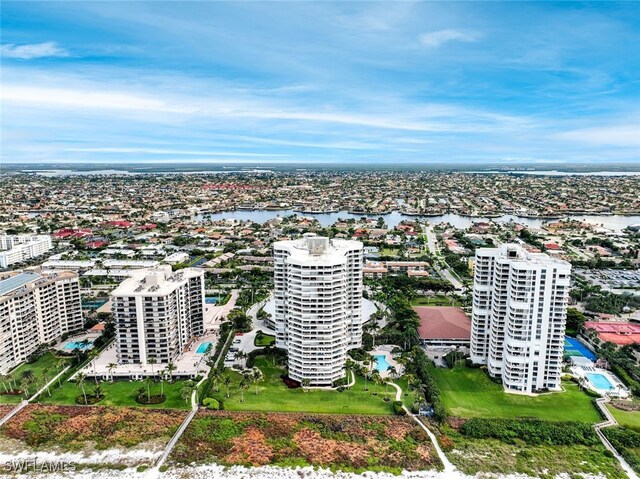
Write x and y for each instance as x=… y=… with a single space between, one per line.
x=432 y=244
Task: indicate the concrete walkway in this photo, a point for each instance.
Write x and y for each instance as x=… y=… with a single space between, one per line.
x=449 y=470
x=611 y=421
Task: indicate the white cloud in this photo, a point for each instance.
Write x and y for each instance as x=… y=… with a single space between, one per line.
x=440 y=37
x=35 y=50
x=618 y=135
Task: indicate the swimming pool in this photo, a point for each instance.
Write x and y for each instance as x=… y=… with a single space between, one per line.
x=211 y=299
x=77 y=345
x=600 y=381
x=203 y=348
x=381 y=362
x=573 y=347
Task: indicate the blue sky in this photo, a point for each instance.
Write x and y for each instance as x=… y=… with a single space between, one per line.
x=309 y=82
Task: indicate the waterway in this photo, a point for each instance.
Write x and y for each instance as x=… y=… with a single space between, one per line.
x=613 y=222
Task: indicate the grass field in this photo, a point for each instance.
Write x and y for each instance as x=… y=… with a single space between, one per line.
x=437 y=300
x=48 y=362
x=119 y=393
x=629 y=419
x=264 y=340
x=274 y=396
x=469 y=392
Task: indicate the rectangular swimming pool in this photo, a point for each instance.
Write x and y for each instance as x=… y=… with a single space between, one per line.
x=600 y=381
x=211 y=299
x=203 y=348
x=381 y=362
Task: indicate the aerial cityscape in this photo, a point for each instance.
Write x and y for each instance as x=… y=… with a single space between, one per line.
x=336 y=240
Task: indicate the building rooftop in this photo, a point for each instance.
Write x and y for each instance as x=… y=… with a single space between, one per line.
x=17 y=281
x=445 y=322
x=317 y=249
x=620 y=332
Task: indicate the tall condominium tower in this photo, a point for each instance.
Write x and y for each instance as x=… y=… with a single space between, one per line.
x=519 y=314
x=318 y=305
x=18 y=248
x=35 y=309
x=157 y=313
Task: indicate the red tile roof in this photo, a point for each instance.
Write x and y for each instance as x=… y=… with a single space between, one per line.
x=443 y=323
x=619 y=332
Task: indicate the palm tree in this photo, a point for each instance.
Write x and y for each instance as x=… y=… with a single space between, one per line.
x=377 y=379
x=80 y=379
x=161 y=377
x=93 y=354
x=215 y=375
x=3 y=378
x=60 y=364
x=244 y=384
x=171 y=367
x=392 y=374
x=364 y=370
x=97 y=392
x=27 y=378
x=11 y=380
x=257 y=376
x=186 y=391
x=147 y=381
x=111 y=367
x=45 y=378
x=151 y=362
x=349 y=367
x=226 y=380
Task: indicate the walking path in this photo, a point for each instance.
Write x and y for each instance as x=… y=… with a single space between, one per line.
x=450 y=470
x=183 y=427
x=611 y=421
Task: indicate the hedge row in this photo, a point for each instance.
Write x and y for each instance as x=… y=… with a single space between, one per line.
x=531 y=431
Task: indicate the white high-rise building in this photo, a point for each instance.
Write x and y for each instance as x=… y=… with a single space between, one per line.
x=519 y=316
x=36 y=309
x=157 y=313
x=318 y=305
x=17 y=248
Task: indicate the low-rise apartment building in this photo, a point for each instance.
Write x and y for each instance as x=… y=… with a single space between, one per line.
x=18 y=248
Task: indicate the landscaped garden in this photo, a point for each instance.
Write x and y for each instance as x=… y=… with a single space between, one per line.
x=71 y=428
x=121 y=393
x=436 y=300
x=263 y=340
x=274 y=395
x=468 y=392
x=26 y=379
x=339 y=442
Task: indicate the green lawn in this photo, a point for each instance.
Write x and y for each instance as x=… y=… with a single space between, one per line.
x=629 y=419
x=119 y=393
x=275 y=396
x=389 y=252
x=437 y=300
x=469 y=392
x=264 y=340
x=48 y=362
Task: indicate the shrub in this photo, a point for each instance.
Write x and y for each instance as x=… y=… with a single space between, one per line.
x=211 y=403
x=531 y=431
x=398 y=410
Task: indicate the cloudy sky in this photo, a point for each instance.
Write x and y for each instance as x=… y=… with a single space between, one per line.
x=344 y=82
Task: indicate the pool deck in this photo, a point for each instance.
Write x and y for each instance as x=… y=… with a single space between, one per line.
x=386 y=352
x=619 y=391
